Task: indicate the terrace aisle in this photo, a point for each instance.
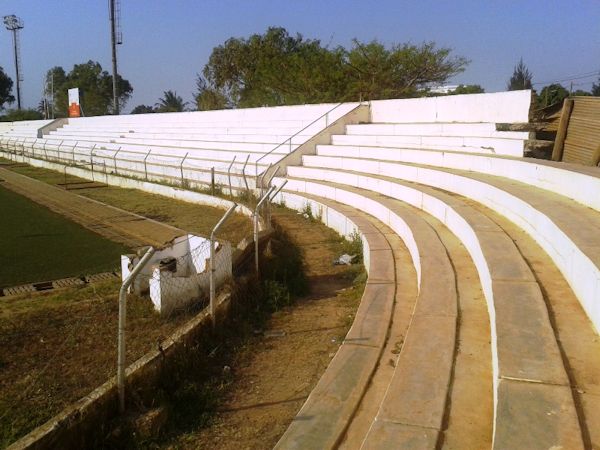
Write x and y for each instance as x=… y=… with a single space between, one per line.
x=113 y=223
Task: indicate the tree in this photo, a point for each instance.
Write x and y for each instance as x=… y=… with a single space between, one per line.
x=521 y=78
x=276 y=68
x=596 y=89
x=208 y=98
x=467 y=89
x=404 y=70
x=95 y=89
x=15 y=115
x=6 y=85
x=170 y=102
x=143 y=109
x=552 y=94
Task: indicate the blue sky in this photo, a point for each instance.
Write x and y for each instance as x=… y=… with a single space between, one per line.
x=166 y=43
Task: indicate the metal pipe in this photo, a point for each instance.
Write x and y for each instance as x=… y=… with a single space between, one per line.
x=244 y=172
x=278 y=190
x=256 y=210
x=122 y=320
x=74 y=147
x=229 y=176
x=261 y=178
x=59 y=145
x=212 y=180
x=212 y=305
x=115 y=159
x=145 y=166
x=181 y=167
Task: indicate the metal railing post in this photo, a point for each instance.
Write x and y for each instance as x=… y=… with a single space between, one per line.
x=145 y=165
x=244 y=172
x=115 y=160
x=229 y=176
x=58 y=150
x=272 y=197
x=262 y=177
x=256 y=212
x=213 y=288
x=122 y=322
x=212 y=180
x=181 y=168
x=74 y=147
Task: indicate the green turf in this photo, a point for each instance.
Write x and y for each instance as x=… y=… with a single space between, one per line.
x=39 y=245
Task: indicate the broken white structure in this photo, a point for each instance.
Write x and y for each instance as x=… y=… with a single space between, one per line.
x=178 y=275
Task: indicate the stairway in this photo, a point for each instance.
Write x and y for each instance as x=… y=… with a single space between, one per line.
x=482 y=353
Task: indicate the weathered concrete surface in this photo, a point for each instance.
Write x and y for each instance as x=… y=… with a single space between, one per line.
x=536 y=416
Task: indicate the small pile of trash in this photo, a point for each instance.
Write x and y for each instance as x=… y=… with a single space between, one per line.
x=345 y=259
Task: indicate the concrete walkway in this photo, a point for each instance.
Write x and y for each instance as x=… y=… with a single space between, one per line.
x=118 y=225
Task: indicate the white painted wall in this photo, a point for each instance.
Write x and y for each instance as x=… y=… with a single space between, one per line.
x=497 y=107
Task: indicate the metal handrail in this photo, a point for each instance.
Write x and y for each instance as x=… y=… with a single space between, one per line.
x=296 y=134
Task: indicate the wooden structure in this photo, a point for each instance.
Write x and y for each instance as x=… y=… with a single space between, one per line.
x=578 y=136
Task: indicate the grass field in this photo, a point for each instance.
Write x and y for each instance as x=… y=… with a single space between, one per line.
x=39 y=245
x=191 y=217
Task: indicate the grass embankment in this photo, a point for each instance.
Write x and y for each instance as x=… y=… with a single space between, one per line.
x=37 y=244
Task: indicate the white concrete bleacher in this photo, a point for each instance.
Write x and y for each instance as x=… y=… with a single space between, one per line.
x=419 y=166
x=376 y=167
x=170 y=147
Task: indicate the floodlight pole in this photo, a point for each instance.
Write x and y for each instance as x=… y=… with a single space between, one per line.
x=113 y=40
x=17 y=68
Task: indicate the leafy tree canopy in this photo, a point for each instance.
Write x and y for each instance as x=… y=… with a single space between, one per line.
x=15 y=115
x=552 y=94
x=6 y=85
x=170 y=102
x=468 y=89
x=95 y=89
x=143 y=109
x=596 y=89
x=521 y=78
x=276 y=68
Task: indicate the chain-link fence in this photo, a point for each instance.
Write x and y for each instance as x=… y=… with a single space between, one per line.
x=213 y=170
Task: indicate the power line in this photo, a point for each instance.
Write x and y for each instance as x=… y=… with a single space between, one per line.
x=571 y=78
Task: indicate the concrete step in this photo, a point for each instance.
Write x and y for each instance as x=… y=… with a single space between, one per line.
x=433 y=129
x=499 y=146
x=570 y=180
x=524 y=347
x=323 y=418
x=566 y=230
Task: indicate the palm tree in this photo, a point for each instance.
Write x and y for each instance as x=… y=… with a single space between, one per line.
x=170 y=102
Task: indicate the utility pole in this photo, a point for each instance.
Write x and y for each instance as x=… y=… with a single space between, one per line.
x=116 y=39
x=14 y=24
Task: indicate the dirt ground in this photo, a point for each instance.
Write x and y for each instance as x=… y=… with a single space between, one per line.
x=274 y=372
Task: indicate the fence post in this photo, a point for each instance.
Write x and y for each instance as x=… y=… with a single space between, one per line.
x=59 y=145
x=74 y=147
x=115 y=160
x=212 y=180
x=272 y=196
x=33 y=146
x=213 y=289
x=256 y=212
x=122 y=321
x=244 y=172
x=145 y=166
x=92 y=160
x=45 y=151
x=262 y=177
x=229 y=176
x=181 y=168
